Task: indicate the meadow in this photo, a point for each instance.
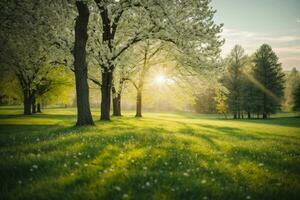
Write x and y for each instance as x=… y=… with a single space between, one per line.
x=160 y=156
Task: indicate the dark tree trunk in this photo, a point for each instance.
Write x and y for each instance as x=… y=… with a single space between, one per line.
x=27 y=102
x=116 y=102
x=38 y=107
x=139 y=104
x=234 y=116
x=265 y=116
x=84 y=116
x=106 y=95
x=33 y=105
x=117 y=105
x=249 y=115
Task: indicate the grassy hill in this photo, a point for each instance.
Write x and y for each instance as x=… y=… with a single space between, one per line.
x=161 y=156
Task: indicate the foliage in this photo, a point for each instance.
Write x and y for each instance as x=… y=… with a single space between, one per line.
x=269 y=79
x=292 y=82
x=221 y=101
x=233 y=79
x=296 y=96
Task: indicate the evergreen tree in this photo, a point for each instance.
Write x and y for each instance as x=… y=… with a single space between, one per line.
x=269 y=79
x=296 y=106
x=233 y=79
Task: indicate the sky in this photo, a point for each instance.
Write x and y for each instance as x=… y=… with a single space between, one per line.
x=252 y=23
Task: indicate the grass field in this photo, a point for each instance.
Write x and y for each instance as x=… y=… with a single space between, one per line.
x=161 y=156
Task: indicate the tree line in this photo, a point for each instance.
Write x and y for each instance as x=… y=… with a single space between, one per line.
x=252 y=86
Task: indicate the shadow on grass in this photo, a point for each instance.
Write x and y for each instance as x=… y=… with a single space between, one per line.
x=122 y=159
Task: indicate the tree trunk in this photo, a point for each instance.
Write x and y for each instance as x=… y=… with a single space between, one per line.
x=139 y=104
x=265 y=116
x=106 y=94
x=249 y=115
x=117 y=106
x=84 y=116
x=33 y=105
x=116 y=102
x=27 y=102
x=234 y=116
x=39 y=107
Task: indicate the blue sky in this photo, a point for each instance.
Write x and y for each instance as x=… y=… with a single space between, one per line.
x=251 y=23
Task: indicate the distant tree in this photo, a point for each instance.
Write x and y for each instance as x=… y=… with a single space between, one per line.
x=248 y=97
x=296 y=106
x=205 y=101
x=221 y=101
x=233 y=80
x=269 y=79
x=291 y=84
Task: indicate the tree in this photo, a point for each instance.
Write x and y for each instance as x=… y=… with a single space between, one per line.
x=125 y=23
x=84 y=116
x=296 y=106
x=233 y=80
x=291 y=84
x=221 y=101
x=269 y=79
x=26 y=44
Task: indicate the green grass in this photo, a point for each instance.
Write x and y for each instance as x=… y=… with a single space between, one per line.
x=161 y=156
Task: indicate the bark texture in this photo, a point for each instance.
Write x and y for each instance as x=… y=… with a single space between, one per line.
x=84 y=116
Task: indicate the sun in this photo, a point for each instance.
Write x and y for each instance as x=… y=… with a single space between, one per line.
x=160 y=79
